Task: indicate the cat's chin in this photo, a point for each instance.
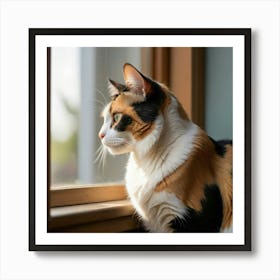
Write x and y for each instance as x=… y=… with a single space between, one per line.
x=119 y=150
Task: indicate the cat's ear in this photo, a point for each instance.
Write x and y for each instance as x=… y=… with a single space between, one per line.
x=115 y=88
x=135 y=80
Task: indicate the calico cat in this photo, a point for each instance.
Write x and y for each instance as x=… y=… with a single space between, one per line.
x=178 y=178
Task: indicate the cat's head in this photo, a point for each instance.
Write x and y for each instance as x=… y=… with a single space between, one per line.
x=135 y=113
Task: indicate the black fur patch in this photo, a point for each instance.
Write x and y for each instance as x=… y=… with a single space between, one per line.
x=209 y=219
x=220 y=146
x=124 y=122
x=148 y=110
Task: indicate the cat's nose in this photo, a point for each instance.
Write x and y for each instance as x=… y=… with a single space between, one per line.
x=101 y=135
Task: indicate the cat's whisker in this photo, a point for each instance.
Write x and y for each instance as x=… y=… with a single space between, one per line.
x=103 y=158
x=99 y=102
x=98 y=154
x=102 y=94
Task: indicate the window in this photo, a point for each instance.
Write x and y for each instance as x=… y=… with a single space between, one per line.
x=83 y=195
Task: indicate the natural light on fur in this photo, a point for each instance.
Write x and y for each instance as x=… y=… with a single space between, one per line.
x=177 y=177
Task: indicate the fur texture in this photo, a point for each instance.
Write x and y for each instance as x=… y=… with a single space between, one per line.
x=178 y=178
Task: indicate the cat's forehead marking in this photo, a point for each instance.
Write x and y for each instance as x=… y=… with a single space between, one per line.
x=123 y=102
x=129 y=98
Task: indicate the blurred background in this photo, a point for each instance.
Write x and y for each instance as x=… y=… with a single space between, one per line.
x=201 y=78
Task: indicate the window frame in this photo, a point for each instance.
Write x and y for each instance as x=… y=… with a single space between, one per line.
x=182 y=69
x=163 y=65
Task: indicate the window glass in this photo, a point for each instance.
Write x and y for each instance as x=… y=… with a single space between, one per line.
x=65 y=101
x=78 y=95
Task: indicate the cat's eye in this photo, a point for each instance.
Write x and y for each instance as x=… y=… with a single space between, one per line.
x=117 y=117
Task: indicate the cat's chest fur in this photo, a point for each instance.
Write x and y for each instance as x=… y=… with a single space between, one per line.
x=147 y=202
x=158 y=209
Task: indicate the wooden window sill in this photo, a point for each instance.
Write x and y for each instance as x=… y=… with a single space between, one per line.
x=91 y=208
x=111 y=216
x=122 y=224
x=75 y=194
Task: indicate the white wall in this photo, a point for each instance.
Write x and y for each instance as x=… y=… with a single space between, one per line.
x=17 y=262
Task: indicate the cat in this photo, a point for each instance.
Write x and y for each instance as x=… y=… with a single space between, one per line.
x=177 y=177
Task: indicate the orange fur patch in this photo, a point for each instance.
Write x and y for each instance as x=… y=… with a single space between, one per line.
x=224 y=180
x=203 y=167
x=189 y=180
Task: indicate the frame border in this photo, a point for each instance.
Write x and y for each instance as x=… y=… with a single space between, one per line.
x=246 y=32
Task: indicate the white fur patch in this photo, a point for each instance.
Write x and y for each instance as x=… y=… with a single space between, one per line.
x=159 y=210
